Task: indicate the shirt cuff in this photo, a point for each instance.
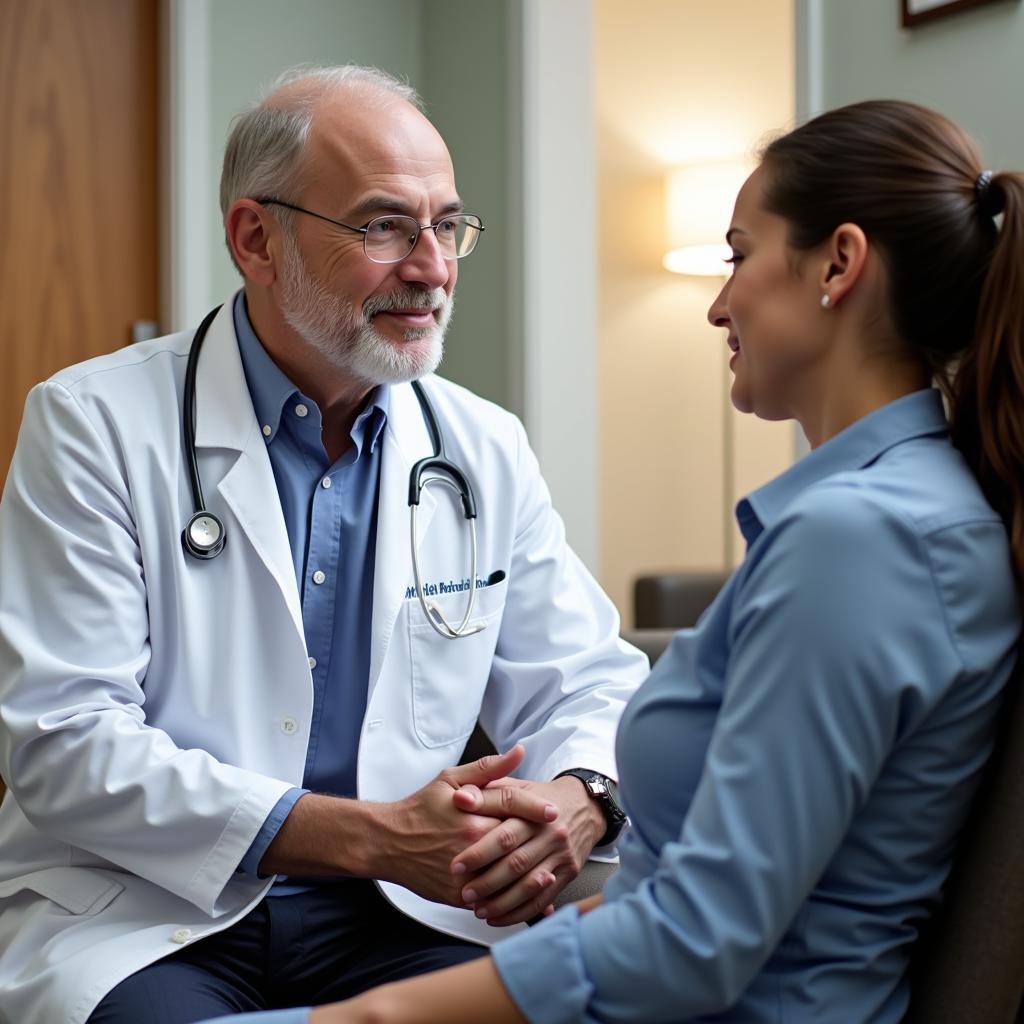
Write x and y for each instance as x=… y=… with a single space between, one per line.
x=275 y=819
x=299 y=1015
x=543 y=970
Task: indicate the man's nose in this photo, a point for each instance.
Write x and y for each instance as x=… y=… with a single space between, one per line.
x=426 y=264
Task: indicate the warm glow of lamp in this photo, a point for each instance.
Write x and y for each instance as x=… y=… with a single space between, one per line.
x=700 y=202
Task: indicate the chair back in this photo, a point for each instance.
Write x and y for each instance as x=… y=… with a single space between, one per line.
x=674 y=600
x=970 y=967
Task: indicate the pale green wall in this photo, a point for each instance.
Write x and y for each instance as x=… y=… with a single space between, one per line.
x=464 y=85
x=453 y=53
x=252 y=41
x=969 y=66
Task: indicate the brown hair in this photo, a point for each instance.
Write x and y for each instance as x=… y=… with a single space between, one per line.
x=912 y=180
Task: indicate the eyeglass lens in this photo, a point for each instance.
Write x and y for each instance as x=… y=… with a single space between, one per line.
x=390 y=239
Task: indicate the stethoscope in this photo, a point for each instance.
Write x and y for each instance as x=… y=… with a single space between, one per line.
x=204 y=533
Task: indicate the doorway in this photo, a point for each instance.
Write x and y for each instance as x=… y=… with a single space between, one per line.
x=79 y=115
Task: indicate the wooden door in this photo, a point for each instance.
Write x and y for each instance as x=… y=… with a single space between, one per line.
x=79 y=121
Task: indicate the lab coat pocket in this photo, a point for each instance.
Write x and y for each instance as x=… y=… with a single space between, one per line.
x=78 y=891
x=449 y=676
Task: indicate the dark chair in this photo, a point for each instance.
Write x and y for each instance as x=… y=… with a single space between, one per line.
x=969 y=968
x=674 y=600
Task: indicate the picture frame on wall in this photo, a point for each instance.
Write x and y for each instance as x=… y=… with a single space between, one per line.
x=915 y=12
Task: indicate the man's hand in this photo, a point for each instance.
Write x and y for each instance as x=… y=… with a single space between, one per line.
x=514 y=871
x=420 y=835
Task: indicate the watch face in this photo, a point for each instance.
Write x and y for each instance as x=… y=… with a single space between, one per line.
x=605 y=791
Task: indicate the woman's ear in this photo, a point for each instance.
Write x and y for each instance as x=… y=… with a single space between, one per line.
x=845 y=258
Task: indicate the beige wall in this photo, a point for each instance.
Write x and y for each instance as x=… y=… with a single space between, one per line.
x=675 y=81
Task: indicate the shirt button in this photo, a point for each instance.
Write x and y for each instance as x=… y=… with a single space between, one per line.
x=301 y=410
x=326 y=482
x=318 y=577
x=181 y=935
x=312 y=662
x=266 y=430
x=289 y=726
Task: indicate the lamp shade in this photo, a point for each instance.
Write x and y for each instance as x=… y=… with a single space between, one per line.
x=699 y=207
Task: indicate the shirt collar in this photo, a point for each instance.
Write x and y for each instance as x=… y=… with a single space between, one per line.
x=918 y=414
x=270 y=389
x=369 y=425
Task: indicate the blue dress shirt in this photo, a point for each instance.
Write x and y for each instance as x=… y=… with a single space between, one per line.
x=798 y=765
x=330 y=512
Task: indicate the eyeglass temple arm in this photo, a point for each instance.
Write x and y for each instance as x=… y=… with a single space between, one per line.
x=311 y=213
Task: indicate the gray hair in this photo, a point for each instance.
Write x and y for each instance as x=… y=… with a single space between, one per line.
x=264 y=150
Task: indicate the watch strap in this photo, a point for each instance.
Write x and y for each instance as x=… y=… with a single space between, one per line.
x=603 y=791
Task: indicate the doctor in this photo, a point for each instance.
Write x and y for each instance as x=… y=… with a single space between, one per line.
x=231 y=780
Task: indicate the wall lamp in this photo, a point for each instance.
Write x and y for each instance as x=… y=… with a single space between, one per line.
x=700 y=199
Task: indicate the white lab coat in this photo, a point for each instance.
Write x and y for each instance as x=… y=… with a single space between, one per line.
x=154 y=708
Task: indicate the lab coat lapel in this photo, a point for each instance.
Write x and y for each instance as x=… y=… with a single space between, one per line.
x=406 y=441
x=225 y=420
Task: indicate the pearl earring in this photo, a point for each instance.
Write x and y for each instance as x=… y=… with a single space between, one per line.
x=826 y=301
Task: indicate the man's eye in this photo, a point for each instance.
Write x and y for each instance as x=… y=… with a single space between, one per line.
x=382 y=227
x=447 y=227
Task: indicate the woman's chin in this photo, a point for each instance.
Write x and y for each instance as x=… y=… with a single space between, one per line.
x=741 y=399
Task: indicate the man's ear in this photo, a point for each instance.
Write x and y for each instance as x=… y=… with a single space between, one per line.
x=249 y=230
x=846 y=254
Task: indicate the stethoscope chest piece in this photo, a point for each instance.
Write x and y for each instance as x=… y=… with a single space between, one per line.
x=203 y=535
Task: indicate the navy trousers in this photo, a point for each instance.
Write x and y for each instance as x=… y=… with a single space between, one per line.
x=315 y=947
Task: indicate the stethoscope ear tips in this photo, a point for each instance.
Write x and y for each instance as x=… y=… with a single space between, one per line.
x=203 y=536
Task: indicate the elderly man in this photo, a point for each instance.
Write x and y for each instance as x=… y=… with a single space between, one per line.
x=234 y=681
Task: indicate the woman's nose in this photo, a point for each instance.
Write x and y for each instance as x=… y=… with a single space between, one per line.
x=718 y=315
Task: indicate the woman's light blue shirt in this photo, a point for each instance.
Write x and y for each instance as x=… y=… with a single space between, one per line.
x=798 y=765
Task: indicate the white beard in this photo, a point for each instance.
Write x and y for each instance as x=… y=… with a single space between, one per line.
x=347 y=337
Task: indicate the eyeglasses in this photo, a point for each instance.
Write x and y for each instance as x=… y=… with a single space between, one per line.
x=390 y=239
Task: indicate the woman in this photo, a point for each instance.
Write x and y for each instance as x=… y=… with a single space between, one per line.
x=799 y=765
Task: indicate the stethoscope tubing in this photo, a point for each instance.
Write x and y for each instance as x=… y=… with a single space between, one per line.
x=440 y=623
x=204 y=534
x=455 y=478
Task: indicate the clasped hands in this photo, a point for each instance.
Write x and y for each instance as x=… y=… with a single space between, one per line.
x=474 y=837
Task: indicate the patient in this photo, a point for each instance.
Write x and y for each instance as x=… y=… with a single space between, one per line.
x=799 y=765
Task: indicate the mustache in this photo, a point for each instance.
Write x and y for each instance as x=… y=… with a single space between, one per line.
x=404 y=298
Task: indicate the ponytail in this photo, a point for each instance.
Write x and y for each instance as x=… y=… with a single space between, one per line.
x=987 y=389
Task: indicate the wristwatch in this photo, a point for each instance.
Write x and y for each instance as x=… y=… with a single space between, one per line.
x=606 y=793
